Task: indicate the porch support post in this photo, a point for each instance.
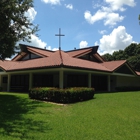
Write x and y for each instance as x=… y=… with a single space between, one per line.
x=0 y=80
x=30 y=80
x=109 y=83
x=89 y=80
x=61 y=78
x=8 y=82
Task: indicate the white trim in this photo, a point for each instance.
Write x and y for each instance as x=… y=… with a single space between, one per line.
x=130 y=69
x=57 y=70
x=38 y=54
x=122 y=74
x=86 y=71
x=3 y=73
x=34 y=71
x=125 y=64
x=82 y=54
x=8 y=82
x=67 y=69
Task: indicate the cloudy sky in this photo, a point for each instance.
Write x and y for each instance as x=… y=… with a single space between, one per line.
x=111 y=24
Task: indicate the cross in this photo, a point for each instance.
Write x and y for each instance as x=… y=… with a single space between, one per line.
x=59 y=38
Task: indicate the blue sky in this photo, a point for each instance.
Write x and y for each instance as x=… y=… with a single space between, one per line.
x=111 y=24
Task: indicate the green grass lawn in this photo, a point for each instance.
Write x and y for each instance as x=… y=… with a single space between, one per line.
x=109 y=116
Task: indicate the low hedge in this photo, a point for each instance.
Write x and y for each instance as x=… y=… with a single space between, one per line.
x=69 y=95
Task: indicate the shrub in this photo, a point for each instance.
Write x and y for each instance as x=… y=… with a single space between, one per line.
x=69 y=95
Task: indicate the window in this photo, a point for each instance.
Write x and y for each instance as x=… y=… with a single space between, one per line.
x=42 y=80
x=77 y=80
x=4 y=80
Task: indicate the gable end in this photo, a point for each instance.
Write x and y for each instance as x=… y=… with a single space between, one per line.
x=29 y=56
x=124 y=70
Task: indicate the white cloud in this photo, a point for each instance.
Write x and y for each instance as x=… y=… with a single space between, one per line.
x=117 y=40
x=7 y=58
x=118 y=4
x=55 y=49
x=53 y=2
x=109 y=13
x=99 y=15
x=31 y=13
x=69 y=6
x=96 y=43
x=83 y=44
x=102 y=32
x=112 y=19
x=109 y=17
x=97 y=3
x=36 y=42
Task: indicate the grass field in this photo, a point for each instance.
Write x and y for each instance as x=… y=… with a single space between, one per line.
x=109 y=116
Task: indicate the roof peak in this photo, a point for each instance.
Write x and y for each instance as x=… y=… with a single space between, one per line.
x=23 y=47
x=92 y=47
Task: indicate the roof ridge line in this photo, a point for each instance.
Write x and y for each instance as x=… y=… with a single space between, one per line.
x=82 y=48
x=34 y=47
x=61 y=57
x=36 y=52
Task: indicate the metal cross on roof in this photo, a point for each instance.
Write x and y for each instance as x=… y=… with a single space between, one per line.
x=59 y=38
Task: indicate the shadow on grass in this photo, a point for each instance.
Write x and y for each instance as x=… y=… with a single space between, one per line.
x=13 y=119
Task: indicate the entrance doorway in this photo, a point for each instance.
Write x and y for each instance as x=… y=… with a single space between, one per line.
x=99 y=82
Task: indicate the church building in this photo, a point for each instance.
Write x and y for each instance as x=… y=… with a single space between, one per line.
x=36 y=67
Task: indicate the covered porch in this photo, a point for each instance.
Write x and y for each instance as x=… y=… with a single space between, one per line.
x=22 y=81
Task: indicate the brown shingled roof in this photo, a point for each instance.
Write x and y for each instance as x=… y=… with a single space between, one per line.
x=75 y=53
x=41 y=52
x=113 y=65
x=61 y=59
x=98 y=57
x=138 y=73
x=19 y=56
x=57 y=58
x=79 y=63
x=52 y=61
x=38 y=51
x=6 y=64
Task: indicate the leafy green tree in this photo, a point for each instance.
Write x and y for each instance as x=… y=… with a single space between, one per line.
x=14 y=25
x=130 y=53
x=108 y=57
x=131 y=49
x=119 y=55
x=137 y=52
x=134 y=61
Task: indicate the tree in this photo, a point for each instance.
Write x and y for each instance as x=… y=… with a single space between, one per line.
x=14 y=25
x=130 y=53
x=119 y=55
x=108 y=57
x=131 y=49
x=134 y=61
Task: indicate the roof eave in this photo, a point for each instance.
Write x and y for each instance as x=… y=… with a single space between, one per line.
x=35 y=68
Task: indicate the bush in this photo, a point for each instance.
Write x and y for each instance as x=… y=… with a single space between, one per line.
x=69 y=95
